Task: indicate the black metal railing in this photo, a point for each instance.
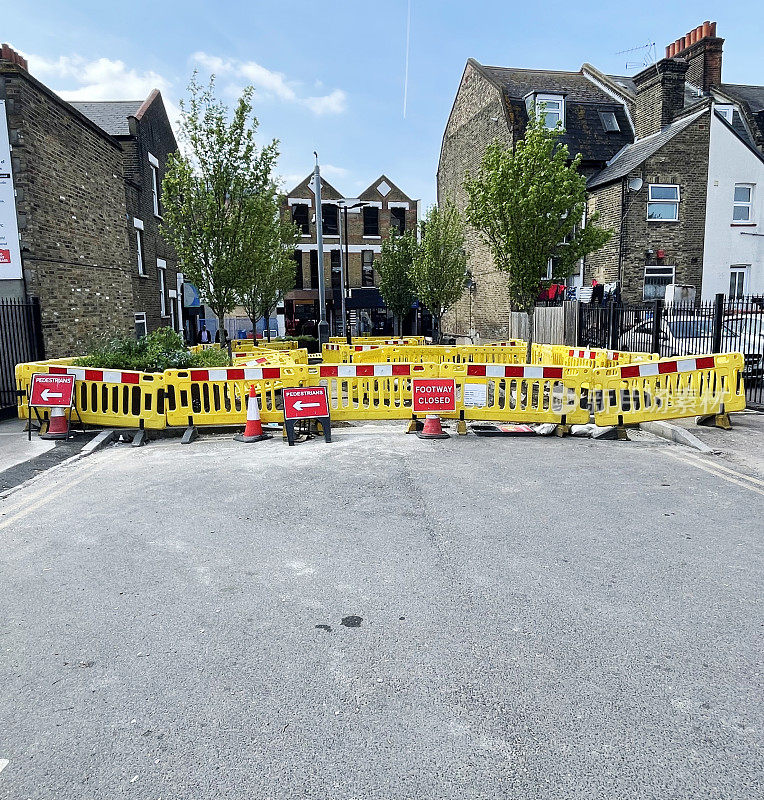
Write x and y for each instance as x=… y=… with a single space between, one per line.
x=20 y=340
x=717 y=326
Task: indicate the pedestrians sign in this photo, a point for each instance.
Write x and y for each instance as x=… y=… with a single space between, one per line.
x=51 y=391
x=305 y=403
x=433 y=395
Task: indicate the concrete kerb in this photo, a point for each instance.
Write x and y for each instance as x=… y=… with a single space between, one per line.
x=673 y=433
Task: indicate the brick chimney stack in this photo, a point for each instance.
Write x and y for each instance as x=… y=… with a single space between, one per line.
x=703 y=50
x=660 y=95
x=7 y=53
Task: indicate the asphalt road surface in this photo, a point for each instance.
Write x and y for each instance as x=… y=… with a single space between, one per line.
x=383 y=617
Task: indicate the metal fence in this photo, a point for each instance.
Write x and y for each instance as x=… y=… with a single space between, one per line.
x=722 y=325
x=20 y=340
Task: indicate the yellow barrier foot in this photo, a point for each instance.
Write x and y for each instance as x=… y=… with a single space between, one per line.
x=461 y=427
x=716 y=420
x=562 y=430
x=620 y=433
x=189 y=435
x=414 y=425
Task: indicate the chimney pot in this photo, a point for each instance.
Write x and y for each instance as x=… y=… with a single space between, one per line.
x=713 y=29
x=706 y=29
x=698 y=33
x=670 y=50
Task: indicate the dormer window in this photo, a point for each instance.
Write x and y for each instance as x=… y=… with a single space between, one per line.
x=550 y=107
x=609 y=122
x=725 y=110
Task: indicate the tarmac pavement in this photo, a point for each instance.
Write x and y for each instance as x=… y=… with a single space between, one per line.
x=383 y=617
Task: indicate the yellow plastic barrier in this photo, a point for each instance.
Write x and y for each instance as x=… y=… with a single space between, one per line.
x=244 y=345
x=440 y=354
x=668 y=389
x=218 y=396
x=111 y=398
x=520 y=392
x=400 y=340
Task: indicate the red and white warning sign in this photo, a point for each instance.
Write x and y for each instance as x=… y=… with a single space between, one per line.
x=433 y=395
x=51 y=391
x=305 y=402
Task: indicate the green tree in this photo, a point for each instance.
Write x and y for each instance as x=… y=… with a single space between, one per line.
x=528 y=204
x=394 y=269
x=207 y=191
x=439 y=264
x=267 y=265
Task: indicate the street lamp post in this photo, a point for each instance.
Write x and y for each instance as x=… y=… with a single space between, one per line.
x=323 y=325
x=346 y=272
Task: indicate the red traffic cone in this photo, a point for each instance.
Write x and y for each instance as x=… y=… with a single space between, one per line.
x=58 y=425
x=253 y=432
x=432 y=428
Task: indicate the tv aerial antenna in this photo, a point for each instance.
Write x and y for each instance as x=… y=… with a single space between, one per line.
x=647 y=51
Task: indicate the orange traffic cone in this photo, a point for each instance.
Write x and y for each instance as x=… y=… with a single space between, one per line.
x=432 y=428
x=58 y=425
x=253 y=432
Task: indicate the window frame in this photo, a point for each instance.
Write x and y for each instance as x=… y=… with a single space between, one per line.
x=662 y=201
x=725 y=110
x=544 y=100
x=137 y=315
x=298 y=276
x=367 y=210
x=140 y=247
x=155 y=184
x=335 y=230
x=335 y=265
x=743 y=204
x=304 y=227
x=398 y=219
x=606 y=114
x=741 y=270
x=162 y=281
x=364 y=277
x=656 y=273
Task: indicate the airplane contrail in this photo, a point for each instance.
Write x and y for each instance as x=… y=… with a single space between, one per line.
x=406 y=77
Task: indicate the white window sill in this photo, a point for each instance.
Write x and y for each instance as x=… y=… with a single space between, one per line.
x=305 y=236
x=664 y=220
x=371 y=237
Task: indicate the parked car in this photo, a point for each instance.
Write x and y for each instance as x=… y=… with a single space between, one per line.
x=689 y=336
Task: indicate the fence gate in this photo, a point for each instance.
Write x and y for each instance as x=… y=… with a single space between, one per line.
x=20 y=340
x=723 y=325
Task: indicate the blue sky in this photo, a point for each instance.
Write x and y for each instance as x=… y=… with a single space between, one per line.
x=329 y=75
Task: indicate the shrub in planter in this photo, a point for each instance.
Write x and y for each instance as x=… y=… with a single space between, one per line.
x=159 y=350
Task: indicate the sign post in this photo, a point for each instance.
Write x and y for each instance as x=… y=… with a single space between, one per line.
x=306 y=402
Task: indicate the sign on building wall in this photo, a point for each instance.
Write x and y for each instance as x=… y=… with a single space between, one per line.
x=10 y=252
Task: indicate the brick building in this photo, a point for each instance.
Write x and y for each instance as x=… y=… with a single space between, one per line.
x=370 y=217
x=80 y=185
x=673 y=157
x=145 y=135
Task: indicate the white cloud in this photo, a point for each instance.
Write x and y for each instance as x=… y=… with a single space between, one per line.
x=76 y=79
x=100 y=79
x=330 y=171
x=272 y=84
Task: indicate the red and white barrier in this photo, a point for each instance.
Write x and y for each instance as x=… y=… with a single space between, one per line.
x=368 y=370
x=100 y=375
x=512 y=371
x=650 y=368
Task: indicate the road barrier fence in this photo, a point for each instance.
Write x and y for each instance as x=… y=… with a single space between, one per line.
x=492 y=383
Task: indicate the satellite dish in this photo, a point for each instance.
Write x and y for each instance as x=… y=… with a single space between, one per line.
x=635 y=184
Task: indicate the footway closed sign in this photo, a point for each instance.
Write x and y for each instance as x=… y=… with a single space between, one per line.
x=433 y=395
